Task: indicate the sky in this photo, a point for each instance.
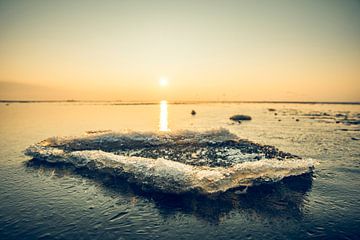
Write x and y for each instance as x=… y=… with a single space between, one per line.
x=206 y=50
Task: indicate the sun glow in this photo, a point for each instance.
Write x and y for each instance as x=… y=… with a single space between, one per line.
x=163 y=82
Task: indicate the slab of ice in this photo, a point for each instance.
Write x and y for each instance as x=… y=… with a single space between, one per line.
x=202 y=162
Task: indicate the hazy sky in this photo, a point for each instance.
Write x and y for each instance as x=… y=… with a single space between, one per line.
x=209 y=50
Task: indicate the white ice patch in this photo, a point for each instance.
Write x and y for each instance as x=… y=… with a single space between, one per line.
x=165 y=175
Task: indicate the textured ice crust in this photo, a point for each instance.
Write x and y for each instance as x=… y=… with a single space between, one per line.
x=109 y=152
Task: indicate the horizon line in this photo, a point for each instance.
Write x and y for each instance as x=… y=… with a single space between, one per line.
x=121 y=102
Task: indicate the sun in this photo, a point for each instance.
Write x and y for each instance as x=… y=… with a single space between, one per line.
x=163 y=82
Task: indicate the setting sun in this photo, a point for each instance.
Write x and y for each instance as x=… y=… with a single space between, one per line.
x=163 y=82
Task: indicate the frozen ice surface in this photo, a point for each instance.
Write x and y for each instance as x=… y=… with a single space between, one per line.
x=206 y=162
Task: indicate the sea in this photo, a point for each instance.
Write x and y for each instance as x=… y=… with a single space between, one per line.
x=47 y=202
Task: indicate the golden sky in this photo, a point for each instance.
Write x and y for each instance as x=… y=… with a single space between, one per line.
x=207 y=50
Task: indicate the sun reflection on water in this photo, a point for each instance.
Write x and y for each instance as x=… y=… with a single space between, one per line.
x=163 y=116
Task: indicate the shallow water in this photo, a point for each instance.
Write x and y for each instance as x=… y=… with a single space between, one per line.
x=47 y=202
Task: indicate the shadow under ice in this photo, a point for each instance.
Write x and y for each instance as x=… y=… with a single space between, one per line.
x=283 y=199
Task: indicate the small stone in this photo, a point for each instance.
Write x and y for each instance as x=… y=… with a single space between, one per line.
x=239 y=117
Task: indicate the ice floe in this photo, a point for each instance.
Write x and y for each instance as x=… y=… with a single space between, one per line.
x=208 y=162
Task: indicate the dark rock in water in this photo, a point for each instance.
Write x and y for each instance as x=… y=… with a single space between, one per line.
x=343 y=117
x=240 y=118
x=339 y=115
x=193 y=112
x=317 y=114
x=354 y=138
x=271 y=109
x=351 y=121
x=279 y=120
x=349 y=130
x=97 y=131
x=275 y=114
x=297 y=120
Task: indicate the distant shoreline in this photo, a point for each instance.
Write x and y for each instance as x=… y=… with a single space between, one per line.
x=118 y=102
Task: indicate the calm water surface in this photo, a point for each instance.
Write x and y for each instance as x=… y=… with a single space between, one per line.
x=43 y=202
